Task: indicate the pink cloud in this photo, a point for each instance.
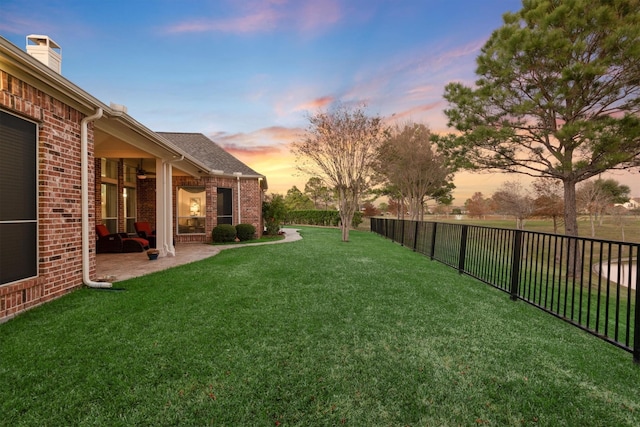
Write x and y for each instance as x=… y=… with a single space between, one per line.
x=416 y=113
x=267 y=15
x=277 y=137
x=15 y=24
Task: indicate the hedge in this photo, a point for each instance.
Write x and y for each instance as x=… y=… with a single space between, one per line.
x=318 y=217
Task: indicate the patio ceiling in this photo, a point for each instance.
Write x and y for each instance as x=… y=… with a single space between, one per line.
x=116 y=138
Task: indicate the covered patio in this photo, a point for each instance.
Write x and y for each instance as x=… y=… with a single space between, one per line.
x=116 y=267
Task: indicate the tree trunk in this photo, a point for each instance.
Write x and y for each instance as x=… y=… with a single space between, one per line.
x=348 y=203
x=570 y=211
x=571 y=228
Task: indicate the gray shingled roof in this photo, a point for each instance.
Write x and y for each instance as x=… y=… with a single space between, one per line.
x=209 y=153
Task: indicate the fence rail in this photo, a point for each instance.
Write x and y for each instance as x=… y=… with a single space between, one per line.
x=589 y=283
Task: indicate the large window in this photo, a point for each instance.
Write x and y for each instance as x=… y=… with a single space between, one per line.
x=18 y=199
x=192 y=210
x=225 y=206
x=109 y=194
x=129 y=195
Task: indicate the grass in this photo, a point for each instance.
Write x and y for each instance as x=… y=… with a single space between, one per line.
x=315 y=332
x=264 y=239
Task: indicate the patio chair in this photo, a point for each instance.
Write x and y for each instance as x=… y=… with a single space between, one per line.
x=144 y=231
x=118 y=242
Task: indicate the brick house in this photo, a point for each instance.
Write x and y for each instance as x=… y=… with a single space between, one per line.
x=68 y=162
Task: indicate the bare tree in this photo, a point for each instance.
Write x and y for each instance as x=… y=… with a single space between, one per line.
x=621 y=216
x=409 y=161
x=511 y=199
x=340 y=147
x=596 y=197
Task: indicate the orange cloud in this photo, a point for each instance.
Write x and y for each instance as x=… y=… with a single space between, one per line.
x=267 y=151
x=315 y=104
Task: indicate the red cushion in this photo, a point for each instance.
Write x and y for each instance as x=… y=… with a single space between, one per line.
x=143 y=226
x=102 y=230
x=143 y=242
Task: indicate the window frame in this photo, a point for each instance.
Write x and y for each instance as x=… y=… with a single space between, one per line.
x=20 y=224
x=224 y=199
x=109 y=183
x=197 y=222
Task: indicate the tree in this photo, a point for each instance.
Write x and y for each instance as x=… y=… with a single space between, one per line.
x=296 y=200
x=317 y=192
x=340 y=146
x=621 y=217
x=273 y=212
x=557 y=95
x=477 y=205
x=397 y=207
x=369 y=210
x=510 y=199
x=617 y=193
x=409 y=162
x=442 y=209
x=548 y=202
x=595 y=197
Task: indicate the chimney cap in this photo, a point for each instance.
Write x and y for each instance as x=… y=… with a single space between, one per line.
x=41 y=40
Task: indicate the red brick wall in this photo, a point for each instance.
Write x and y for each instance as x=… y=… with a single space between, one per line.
x=146 y=202
x=59 y=196
x=250 y=203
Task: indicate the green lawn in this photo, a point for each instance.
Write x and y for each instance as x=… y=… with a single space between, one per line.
x=315 y=332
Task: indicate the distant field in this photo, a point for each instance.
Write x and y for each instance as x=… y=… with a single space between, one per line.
x=611 y=228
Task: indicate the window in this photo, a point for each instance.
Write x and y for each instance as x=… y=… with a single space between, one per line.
x=18 y=199
x=129 y=194
x=109 y=194
x=191 y=210
x=225 y=206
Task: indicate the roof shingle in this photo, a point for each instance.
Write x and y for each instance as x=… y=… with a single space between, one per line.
x=209 y=153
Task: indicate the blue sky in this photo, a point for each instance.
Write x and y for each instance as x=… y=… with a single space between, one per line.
x=248 y=73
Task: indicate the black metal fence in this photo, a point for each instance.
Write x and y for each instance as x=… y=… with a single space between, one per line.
x=589 y=283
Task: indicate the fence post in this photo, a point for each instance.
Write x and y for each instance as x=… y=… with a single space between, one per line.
x=433 y=241
x=636 y=322
x=402 y=232
x=515 y=263
x=463 y=249
x=415 y=237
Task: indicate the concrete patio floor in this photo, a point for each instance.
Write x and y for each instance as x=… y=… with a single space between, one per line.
x=117 y=267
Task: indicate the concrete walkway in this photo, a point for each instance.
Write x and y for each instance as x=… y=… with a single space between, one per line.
x=117 y=267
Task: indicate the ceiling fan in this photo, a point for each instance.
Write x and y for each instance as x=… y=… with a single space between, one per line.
x=143 y=174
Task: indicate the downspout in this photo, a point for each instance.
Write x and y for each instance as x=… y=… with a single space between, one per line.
x=84 y=162
x=238 y=174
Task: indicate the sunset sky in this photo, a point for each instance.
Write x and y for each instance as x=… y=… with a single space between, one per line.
x=248 y=73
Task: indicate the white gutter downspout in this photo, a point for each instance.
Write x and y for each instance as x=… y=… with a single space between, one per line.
x=84 y=162
x=238 y=175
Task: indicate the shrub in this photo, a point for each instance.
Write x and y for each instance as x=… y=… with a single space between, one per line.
x=224 y=233
x=273 y=212
x=245 y=232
